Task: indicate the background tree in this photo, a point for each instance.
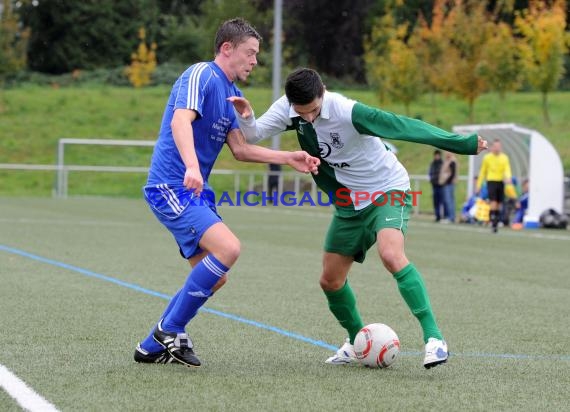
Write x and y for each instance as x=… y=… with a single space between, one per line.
x=179 y=8
x=13 y=41
x=467 y=28
x=403 y=81
x=87 y=34
x=501 y=65
x=327 y=35
x=430 y=46
x=544 y=44
x=376 y=50
x=179 y=39
x=143 y=62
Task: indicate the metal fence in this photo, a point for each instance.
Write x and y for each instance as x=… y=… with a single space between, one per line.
x=253 y=180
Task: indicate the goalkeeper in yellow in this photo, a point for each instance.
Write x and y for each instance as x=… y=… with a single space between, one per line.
x=496 y=171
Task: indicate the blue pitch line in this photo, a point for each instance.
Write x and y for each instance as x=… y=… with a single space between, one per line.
x=167 y=297
x=250 y=322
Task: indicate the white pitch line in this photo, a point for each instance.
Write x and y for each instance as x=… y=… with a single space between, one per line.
x=26 y=397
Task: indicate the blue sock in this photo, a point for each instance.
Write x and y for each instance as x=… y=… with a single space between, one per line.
x=194 y=293
x=149 y=344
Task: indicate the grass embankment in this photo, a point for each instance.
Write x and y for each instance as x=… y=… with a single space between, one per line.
x=32 y=120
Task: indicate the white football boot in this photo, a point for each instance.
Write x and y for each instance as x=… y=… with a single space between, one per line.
x=436 y=353
x=344 y=355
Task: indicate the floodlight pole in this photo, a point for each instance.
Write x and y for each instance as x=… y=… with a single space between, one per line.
x=277 y=29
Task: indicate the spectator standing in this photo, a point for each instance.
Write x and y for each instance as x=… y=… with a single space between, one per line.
x=447 y=180
x=437 y=190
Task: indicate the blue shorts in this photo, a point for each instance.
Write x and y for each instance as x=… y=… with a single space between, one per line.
x=185 y=215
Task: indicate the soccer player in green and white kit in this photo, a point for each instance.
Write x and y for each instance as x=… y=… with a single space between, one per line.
x=345 y=135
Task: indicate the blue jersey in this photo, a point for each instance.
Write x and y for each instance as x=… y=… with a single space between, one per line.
x=204 y=88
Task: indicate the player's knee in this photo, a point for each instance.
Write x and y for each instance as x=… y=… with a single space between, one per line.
x=230 y=253
x=330 y=284
x=234 y=250
x=391 y=258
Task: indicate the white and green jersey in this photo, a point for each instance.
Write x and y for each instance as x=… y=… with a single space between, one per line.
x=346 y=137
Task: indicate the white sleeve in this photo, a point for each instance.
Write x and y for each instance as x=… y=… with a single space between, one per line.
x=274 y=121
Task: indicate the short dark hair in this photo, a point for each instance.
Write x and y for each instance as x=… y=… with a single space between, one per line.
x=303 y=86
x=437 y=152
x=234 y=31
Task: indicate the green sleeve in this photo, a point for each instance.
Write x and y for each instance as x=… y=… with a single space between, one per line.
x=376 y=122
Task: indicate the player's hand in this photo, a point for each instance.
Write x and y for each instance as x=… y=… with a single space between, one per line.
x=242 y=106
x=193 y=180
x=303 y=162
x=481 y=144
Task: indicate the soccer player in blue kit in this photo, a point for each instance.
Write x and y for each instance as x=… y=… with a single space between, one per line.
x=197 y=121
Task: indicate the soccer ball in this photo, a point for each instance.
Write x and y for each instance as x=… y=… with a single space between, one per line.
x=376 y=346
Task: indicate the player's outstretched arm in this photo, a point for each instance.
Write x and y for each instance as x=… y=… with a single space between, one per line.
x=303 y=162
x=375 y=122
x=242 y=106
x=245 y=152
x=482 y=144
x=274 y=121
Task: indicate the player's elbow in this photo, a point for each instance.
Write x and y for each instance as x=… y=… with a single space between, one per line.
x=240 y=153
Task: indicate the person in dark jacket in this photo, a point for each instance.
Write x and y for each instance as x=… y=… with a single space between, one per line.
x=437 y=189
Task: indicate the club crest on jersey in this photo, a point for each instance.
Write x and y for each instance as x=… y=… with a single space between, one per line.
x=324 y=150
x=335 y=141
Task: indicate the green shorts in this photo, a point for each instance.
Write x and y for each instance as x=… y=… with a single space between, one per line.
x=353 y=234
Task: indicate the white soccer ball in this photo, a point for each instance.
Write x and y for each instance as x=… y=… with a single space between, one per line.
x=377 y=346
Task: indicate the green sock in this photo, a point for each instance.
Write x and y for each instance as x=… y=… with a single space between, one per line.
x=414 y=292
x=342 y=304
